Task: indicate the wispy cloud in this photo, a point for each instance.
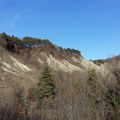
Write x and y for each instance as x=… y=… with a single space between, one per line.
x=14 y=20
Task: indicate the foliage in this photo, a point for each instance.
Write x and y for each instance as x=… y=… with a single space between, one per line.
x=94 y=93
x=29 y=42
x=112 y=100
x=25 y=42
x=112 y=95
x=72 y=51
x=92 y=77
x=69 y=50
x=46 y=87
x=81 y=96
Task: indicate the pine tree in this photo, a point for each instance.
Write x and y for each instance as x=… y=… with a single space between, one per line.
x=46 y=87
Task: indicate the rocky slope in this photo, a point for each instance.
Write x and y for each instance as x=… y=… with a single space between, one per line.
x=23 y=65
x=16 y=60
x=76 y=81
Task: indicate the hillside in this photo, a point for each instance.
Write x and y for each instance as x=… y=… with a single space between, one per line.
x=42 y=52
x=21 y=64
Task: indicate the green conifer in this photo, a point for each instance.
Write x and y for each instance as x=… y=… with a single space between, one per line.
x=46 y=87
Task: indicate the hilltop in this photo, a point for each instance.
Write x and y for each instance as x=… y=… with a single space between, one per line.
x=76 y=80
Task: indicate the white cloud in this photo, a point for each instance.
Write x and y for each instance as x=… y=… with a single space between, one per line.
x=14 y=20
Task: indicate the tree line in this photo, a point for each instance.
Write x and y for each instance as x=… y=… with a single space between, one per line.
x=29 y=42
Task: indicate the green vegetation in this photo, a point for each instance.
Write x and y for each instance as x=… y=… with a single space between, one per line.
x=94 y=89
x=29 y=42
x=25 y=41
x=72 y=51
x=69 y=50
x=46 y=87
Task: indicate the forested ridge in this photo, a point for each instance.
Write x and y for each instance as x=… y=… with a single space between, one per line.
x=29 y=42
x=35 y=84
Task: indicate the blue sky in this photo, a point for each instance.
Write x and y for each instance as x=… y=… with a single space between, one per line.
x=92 y=26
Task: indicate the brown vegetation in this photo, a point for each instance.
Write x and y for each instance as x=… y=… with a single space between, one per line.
x=80 y=96
x=83 y=95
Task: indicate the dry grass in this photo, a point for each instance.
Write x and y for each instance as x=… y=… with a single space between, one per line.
x=81 y=95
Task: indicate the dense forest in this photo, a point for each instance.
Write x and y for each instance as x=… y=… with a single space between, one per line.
x=29 y=42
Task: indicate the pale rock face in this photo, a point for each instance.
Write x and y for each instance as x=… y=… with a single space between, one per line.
x=14 y=66
x=6 y=65
x=61 y=65
x=76 y=60
x=7 y=70
x=20 y=65
x=40 y=61
x=90 y=65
